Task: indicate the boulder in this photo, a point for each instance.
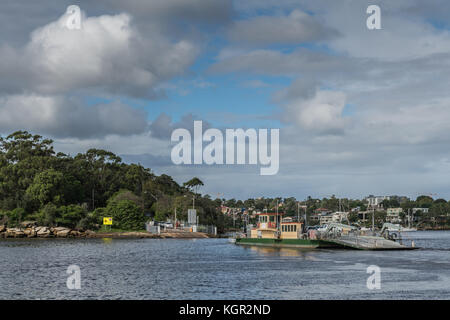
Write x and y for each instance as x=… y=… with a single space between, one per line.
x=74 y=233
x=28 y=224
x=30 y=232
x=14 y=233
x=2 y=228
x=43 y=232
x=61 y=232
x=90 y=234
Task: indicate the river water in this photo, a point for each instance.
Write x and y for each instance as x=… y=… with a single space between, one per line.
x=217 y=269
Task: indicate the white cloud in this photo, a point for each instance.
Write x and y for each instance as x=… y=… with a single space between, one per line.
x=106 y=55
x=321 y=113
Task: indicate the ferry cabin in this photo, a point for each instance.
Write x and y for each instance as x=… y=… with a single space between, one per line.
x=271 y=226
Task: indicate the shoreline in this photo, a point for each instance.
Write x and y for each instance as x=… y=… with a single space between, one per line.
x=40 y=232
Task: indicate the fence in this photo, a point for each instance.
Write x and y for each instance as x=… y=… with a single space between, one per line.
x=209 y=229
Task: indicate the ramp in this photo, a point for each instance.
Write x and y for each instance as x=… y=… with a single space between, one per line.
x=368 y=243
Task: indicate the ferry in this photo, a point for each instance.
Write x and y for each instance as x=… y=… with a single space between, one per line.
x=272 y=231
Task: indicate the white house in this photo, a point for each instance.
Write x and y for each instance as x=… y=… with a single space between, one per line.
x=393 y=215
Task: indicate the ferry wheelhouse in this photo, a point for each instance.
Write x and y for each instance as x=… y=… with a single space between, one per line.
x=270 y=225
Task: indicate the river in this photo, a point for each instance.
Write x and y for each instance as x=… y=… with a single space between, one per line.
x=217 y=269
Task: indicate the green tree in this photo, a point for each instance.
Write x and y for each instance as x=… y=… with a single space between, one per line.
x=126 y=215
x=194 y=184
x=70 y=216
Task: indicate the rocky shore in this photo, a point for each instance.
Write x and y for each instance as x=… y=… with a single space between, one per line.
x=29 y=229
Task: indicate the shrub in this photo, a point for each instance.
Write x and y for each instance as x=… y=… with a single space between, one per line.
x=126 y=215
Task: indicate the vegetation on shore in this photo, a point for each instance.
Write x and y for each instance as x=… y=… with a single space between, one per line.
x=59 y=190
x=437 y=217
x=56 y=189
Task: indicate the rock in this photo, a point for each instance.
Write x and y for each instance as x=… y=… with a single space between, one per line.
x=30 y=232
x=28 y=224
x=62 y=233
x=14 y=233
x=43 y=232
x=74 y=233
x=2 y=228
x=89 y=233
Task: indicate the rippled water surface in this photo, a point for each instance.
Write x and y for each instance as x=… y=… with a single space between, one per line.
x=216 y=269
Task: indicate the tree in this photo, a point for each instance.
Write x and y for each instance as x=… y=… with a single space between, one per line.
x=126 y=215
x=70 y=216
x=194 y=184
x=48 y=187
x=424 y=201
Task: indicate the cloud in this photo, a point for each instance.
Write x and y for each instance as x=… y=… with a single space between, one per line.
x=59 y=117
x=106 y=55
x=163 y=126
x=296 y=28
x=255 y=84
x=321 y=113
x=275 y=63
x=193 y=11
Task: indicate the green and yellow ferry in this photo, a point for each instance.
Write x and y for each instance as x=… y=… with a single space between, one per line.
x=272 y=231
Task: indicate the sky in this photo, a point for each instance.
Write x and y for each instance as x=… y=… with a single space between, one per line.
x=359 y=111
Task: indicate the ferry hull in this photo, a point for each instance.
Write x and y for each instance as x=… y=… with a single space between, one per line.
x=287 y=243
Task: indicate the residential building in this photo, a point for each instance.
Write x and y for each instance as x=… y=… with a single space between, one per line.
x=393 y=215
x=375 y=201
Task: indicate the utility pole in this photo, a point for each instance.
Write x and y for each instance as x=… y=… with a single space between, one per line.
x=306 y=223
x=373 y=219
x=277 y=218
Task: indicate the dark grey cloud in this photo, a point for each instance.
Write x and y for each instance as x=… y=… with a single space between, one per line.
x=148 y=160
x=296 y=28
x=163 y=126
x=67 y=117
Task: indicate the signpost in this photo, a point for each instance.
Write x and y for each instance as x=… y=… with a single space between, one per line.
x=107 y=221
x=192 y=216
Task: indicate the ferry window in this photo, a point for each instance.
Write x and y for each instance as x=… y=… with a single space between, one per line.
x=295 y=228
x=272 y=219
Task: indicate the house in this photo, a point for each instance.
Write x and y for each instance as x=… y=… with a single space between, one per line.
x=319 y=213
x=326 y=218
x=333 y=217
x=375 y=201
x=393 y=215
x=424 y=210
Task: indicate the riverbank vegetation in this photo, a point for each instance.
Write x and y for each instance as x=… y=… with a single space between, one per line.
x=60 y=190
x=56 y=189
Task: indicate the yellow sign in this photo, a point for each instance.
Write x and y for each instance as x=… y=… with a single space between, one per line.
x=107 y=220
